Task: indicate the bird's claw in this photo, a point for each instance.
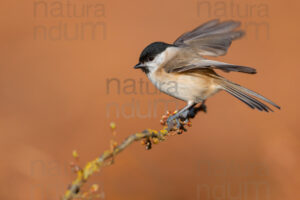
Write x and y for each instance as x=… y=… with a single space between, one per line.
x=177 y=122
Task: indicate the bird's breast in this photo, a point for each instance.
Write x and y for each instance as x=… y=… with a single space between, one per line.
x=185 y=86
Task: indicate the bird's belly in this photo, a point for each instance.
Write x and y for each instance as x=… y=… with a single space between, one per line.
x=185 y=87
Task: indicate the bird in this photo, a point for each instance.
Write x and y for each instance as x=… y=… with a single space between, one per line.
x=183 y=71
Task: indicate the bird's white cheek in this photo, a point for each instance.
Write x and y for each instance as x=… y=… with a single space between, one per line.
x=157 y=62
x=160 y=59
x=152 y=66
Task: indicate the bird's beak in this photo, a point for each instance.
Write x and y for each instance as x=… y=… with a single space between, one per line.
x=139 y=65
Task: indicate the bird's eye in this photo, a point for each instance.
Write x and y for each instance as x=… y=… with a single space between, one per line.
x=151 y=58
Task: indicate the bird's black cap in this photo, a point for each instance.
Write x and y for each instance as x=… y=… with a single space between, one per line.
x=152 y=50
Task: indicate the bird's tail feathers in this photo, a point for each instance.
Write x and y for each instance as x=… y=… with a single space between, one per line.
x=245 y=95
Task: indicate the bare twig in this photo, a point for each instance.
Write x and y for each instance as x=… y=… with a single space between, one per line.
x=149 y=136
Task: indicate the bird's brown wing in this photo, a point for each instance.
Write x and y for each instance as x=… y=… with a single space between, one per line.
x=212 y=38
x=186 y=60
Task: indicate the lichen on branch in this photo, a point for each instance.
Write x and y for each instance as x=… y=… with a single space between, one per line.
x=148 y=137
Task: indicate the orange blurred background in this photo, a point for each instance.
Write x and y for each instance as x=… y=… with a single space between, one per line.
x=55 y=98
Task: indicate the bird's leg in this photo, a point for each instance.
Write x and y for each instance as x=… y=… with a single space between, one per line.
x=174 y=118
x=194 y=110
x=183 y=113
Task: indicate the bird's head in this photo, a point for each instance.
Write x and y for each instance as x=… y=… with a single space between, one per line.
x=152 y=56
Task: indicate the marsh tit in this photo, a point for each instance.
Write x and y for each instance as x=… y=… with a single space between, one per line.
x=195 y=79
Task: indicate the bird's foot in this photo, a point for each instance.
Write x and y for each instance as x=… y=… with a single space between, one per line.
x=176 y=121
